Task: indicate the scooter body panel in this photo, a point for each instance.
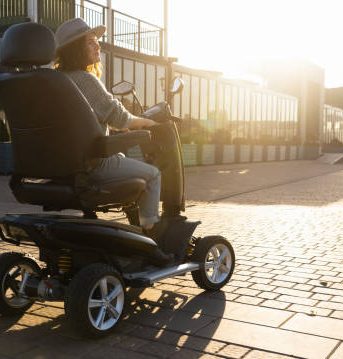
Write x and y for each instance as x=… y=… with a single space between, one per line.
x=74 y=232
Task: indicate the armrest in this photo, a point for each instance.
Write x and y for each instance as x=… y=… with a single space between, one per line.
x=108 y=145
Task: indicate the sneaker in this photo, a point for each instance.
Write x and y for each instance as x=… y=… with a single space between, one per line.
x=157 y=230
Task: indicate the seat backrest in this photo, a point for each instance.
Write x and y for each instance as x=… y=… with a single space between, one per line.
x=53 y=128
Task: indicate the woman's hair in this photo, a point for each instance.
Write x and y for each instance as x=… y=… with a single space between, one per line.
x=74 y=57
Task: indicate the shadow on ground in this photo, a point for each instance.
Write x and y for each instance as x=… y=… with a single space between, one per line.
x=149 y=328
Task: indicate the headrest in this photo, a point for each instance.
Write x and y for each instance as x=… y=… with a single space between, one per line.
x=27 y=44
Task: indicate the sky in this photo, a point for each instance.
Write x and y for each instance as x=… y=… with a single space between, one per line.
x=234 y=36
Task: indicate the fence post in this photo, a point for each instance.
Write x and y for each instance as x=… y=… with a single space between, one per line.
x=139 y=36
x=161 y=52
x=32 y=10
x=109 y=22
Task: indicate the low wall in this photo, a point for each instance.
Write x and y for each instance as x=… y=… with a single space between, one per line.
x=207 y=154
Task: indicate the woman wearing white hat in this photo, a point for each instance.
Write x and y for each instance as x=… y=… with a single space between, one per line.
x=78 y=55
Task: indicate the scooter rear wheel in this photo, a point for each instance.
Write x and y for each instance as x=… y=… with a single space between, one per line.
x=14 y=268
x=217 y=262
x=95 y=300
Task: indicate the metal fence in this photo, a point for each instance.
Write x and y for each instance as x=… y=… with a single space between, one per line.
x=137 y=35
x=12 y=11
x=53 y=13
x=93 y=13
x=332 y=126
x=216 y=110
x=127 y=31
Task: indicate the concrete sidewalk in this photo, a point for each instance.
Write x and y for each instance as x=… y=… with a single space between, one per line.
x=284 y=300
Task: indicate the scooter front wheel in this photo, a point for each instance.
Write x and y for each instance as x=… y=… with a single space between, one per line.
x=95 y=300
x=217 y=262
x=15 y=269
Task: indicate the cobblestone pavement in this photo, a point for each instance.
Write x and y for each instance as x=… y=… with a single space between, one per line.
x=284 y=300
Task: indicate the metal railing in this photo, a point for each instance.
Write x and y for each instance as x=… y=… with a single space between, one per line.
x=125 y=31
x=53 y=13
x=216 y=110
x=332 y=126
x=93 y=13
x=136 y=35
x=12 y=11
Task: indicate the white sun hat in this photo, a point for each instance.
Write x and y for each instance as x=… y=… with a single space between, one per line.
x=74 y=29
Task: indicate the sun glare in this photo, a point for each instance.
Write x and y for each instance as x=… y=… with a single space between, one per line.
x=234 y=35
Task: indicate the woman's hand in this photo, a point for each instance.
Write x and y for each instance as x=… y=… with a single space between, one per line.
x=139 y=122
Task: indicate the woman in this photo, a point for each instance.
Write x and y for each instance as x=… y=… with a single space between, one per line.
x=78 y=55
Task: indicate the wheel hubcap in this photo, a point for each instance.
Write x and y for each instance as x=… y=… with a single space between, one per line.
x=106 y=303
x=12 y=284
x=218 y=263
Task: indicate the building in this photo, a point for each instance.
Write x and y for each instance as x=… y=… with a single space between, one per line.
x=224 y=120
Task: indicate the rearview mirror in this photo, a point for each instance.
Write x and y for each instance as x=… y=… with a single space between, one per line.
x=123 y=88
x=177 y=85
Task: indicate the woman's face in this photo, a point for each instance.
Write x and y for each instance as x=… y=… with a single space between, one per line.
x=92 y=49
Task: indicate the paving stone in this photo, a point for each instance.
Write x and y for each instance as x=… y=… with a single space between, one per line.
x=11 y=345
x=247 y=291
x=330 y=279
x=259 y=280
x=330 y=305
x=257 y=354
x=293 y=292
x=254 y=314
x=249 y=300
x=304 y=287
x=337 y=286
x=233 y=351
x=338 y=353
x=105 y=352
x=263 y=287
x=292 y=279
x=179 y=320
x=337 y=299
x=275 y=304
x=327 y=327
x=228 y=296
x=268 y=295
x=199 y=344
x=309 y=310
x=280 y=341
x=328 y=291
x=237 y=283
x=337 y=314
x=321 y=297
x=157 y=349
x=244 y=273
x=297 y=300
x=240 y=277
x=184 y=353
x=191 y=291
x=279 y=283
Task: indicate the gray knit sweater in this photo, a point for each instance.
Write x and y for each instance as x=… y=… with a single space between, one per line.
x=108 y=110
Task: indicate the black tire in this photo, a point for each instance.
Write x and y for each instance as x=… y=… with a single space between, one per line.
x=10 y=263
x=205 y=247
x=83 y=289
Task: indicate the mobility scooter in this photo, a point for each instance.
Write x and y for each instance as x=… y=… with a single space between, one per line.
x=85 y=261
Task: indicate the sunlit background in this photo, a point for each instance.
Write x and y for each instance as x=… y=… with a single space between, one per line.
x=234 y=36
